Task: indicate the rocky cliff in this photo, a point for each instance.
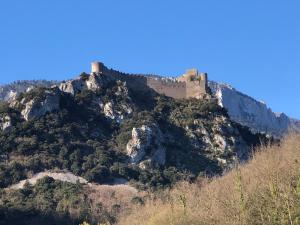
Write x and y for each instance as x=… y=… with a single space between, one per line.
x=252 y=113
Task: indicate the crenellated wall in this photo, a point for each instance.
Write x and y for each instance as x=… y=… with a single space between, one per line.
x=175 y=89
x=190 y=85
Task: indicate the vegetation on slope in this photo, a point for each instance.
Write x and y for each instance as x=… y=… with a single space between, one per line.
x=79 y=138
x=264 y=191
x=53 y=202
x=21 y=86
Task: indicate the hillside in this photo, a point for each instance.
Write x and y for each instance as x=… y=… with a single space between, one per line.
x=106 y=130
x=264 y=191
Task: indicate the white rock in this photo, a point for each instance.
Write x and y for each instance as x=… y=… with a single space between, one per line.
x=145 y=146
x=109 y=111
x=250 y=112
x=117 y=115
x=73 y=86
x=140 y=140
x=35 y=109
x=93 y=83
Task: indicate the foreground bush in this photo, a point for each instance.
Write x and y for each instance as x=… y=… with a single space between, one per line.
x=264 y=191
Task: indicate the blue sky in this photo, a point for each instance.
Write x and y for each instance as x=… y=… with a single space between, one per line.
x=252 y=45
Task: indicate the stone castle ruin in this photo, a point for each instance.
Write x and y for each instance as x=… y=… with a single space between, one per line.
x=192 y=84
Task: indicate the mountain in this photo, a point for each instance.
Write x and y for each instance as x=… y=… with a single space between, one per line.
x=100 y=127
x=107 y=128
x=254 y=114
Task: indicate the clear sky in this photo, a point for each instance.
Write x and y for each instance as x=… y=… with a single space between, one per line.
x=253 y=45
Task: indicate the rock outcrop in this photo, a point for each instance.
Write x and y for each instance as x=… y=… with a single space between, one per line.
x=250 y=112
x=219 y=140
x=145 y=146
x=72 y=86
x=118 y=109
x=94 y=82
x=38 y=107
x=91 y=82
x=114 y=113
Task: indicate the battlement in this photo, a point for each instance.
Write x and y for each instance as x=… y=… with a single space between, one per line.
x=192 y=84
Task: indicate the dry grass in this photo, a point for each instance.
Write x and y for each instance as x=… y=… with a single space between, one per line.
x=108 y=196
x=264 y=191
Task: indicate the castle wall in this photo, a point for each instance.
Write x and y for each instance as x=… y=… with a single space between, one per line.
x=194 y=89
x=185 y=88
x=169 y=88
x=134 y=81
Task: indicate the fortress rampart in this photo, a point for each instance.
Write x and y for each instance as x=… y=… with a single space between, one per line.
x=190 y=85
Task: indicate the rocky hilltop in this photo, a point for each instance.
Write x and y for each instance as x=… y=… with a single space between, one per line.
x=102 y=128
x=92 y=147
x=241 y=108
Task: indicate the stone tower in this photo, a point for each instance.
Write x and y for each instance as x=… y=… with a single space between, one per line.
x=203 y=82
x=97 y=67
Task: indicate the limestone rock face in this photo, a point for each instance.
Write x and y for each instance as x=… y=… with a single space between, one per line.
x=113 y=113
x=72 y=86
x=94 y=82
x=36 y=108
x=118 y=109
x=145 y=146
x=91 y=82
x=5 y=123
x=220 y=140
x=251 y=113
x=109 y=111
